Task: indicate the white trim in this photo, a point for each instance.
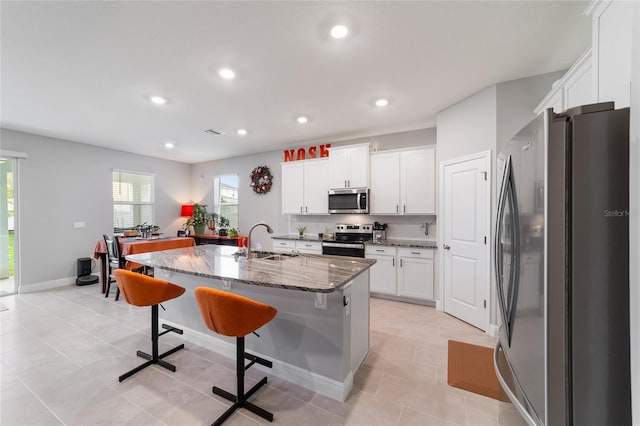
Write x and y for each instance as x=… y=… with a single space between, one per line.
x=408 y=148
x=313 y=381
x=439 y=306
x=13 y=154
x=486 y=155
x=46 y=285
x=493 y=330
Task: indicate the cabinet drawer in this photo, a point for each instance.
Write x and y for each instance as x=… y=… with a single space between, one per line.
x=420 y=253
x=284 y=244
x=309 y=246
x=380 y=250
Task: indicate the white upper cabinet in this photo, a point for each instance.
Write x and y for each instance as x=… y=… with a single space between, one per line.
x=305 y=187
x=611 y=40
x=418 y=181
x=316 y=187
x=573 y=89
x=403 y=182
x=349 y=166
x=603 y=72
x=385 y=183
x=292 y=187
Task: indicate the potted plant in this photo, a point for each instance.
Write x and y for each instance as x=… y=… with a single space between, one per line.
x=223 y=224
x=301 y=230
x=198 y=219
x=233 y=232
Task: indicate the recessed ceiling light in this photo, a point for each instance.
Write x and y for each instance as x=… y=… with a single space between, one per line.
x=158 y=100
x=382 y=102
x=339 y=31
x=302 y=119
x=168 y=145
x=242 y=132
x=227 y=74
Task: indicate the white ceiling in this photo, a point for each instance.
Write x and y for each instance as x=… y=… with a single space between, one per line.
x=83 y=71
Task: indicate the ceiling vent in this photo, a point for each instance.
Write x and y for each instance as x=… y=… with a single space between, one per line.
x=214 y=132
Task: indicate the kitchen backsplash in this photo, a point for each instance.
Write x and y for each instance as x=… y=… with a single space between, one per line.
x=402 y=227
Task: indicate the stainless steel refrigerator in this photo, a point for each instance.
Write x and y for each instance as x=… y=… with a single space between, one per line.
x=562 y=268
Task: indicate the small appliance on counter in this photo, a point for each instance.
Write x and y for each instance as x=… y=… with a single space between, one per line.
x=379 y=231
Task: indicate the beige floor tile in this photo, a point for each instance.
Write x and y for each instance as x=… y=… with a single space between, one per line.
x=410 y=417
x=61 y=352
x=19 y=407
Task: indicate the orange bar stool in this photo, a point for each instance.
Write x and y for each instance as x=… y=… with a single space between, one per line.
x=143 y=290
x=232 y=315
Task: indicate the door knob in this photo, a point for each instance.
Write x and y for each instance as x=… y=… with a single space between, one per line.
x=446 y=246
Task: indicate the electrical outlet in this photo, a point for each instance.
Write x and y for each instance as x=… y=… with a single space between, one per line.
x=78 y=225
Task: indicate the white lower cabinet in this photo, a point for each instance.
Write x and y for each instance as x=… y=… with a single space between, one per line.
x=382 y=276
x=284 y=246
x=403 y=272
x=293 y=246
x=309 y=247
x=415 y=275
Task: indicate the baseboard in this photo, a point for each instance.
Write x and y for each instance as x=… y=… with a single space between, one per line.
x=405 y=299
x=492 y=330
x=439 y=306
x=46 y=285
x=323 y=385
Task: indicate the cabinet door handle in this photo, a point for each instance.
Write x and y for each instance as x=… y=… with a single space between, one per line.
x=401 y=263
x=380 y=250
x=446 y=246
x=345 y=183
x=404 y=208
x=349 y=183
x=393 y=262
x=283 y=244
x=397 y=209
x=416 y=252
x=307 y=245
x=300 y=209
x=306 y=209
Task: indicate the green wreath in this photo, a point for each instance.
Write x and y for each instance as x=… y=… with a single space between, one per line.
x=261 y=180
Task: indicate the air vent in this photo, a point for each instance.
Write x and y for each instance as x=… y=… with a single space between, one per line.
x=214 y=132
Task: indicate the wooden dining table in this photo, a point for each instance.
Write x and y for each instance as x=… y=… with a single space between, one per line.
x=135 y=245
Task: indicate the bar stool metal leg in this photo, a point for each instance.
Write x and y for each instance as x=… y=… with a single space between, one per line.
x=155 y=358
x=240 y=399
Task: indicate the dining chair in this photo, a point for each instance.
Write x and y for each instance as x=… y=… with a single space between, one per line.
x=115 y=262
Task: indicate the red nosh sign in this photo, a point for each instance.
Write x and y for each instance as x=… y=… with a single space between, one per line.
x=305 y=154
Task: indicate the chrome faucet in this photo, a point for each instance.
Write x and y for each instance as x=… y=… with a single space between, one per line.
x=269 y=230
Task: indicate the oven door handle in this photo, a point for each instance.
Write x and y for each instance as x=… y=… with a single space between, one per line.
x=346 y=245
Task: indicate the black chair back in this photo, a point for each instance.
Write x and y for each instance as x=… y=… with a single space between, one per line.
x=183 y=233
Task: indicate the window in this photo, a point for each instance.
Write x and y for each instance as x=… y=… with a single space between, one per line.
x=225 y=203
x=133 y=198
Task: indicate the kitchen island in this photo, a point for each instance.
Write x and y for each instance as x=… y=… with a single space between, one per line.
x=320 y=335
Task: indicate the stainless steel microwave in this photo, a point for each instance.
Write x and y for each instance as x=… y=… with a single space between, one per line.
x=349 y=200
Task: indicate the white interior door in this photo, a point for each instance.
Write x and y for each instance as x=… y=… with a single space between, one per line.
x=465 y=198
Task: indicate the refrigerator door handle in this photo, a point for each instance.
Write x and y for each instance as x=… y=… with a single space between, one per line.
x=514 y=276
x=516 y=402
x=498 y=253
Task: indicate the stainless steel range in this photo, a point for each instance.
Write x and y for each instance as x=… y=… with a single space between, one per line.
x=349 y=240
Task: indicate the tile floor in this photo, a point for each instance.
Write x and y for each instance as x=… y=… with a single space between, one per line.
x=61 y=352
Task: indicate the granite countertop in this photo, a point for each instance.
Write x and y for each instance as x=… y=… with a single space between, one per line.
x=404 y=243
x=296 y=237
x=305 y=272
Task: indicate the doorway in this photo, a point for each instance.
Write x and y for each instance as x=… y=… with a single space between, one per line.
x=7 y=227
x=466 y=201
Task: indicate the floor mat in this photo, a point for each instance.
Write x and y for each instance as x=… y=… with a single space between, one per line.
x=471 y=368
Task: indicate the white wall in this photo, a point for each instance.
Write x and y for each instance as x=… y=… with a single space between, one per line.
x=62 y=182
x=485 y=121
x=634 y=235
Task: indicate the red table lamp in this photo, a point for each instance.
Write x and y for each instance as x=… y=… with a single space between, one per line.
x=187 y=210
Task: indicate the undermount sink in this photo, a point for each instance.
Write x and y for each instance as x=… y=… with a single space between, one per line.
x=270 y=255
